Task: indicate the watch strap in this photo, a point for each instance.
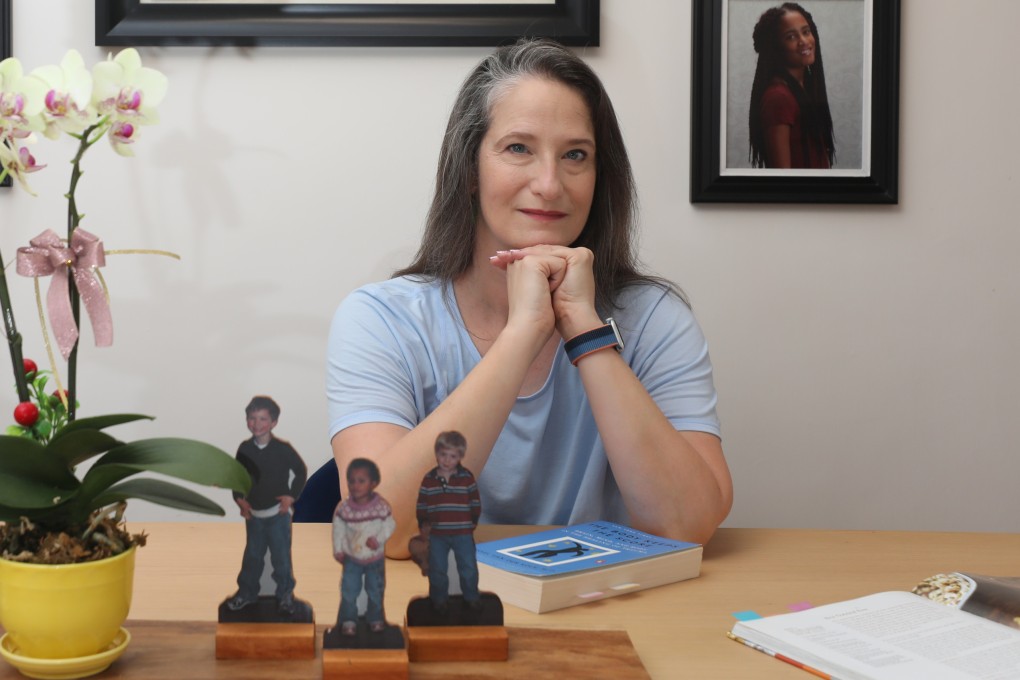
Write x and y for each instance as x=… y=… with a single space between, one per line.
x=594 y=340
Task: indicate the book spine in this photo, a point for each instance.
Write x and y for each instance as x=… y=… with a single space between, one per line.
x=781 y=657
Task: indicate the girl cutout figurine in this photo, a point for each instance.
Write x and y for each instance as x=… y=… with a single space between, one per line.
x=361 y=525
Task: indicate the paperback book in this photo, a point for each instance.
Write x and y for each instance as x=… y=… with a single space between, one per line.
x=963 y=626
x=582 y=563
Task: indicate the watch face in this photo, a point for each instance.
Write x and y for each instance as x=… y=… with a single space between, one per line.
x=616 y=334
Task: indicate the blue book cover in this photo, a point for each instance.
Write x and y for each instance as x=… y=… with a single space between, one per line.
x=575 y=548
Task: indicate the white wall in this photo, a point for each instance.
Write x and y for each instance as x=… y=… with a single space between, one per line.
x=865 y=356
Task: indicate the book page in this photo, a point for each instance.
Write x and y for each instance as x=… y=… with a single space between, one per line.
x=996 y=598
x=891 y=636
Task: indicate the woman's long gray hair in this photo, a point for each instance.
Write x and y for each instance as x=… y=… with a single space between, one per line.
x=448 y=243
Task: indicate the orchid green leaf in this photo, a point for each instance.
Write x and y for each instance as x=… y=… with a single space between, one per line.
x=78 y=446
x=185 y=459
x=99 y=423
x=161 y=493
x=26 y=461
x=30 y=478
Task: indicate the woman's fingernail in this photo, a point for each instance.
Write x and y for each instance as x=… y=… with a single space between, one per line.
x=503 y=252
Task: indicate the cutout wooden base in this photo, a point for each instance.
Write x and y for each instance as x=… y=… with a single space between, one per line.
x=458 y=643
x=487 y=612
x=458 y=631
x=265 y=641
x=266 y=609
x=365 y=654
x=356 y=664
x=183 y=649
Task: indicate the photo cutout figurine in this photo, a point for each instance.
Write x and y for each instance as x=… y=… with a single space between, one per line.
x=278 y=475
x=448 y=510
x=362 y=523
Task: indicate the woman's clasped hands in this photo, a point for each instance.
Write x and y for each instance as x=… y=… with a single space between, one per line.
x=553 y=286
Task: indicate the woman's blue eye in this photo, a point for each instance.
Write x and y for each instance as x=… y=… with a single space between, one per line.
x=576 y=155
x=517 y=148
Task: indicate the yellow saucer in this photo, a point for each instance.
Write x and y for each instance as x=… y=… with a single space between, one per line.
x=65 y=669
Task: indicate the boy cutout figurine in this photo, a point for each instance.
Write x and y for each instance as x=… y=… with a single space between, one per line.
x=278 y=475
x=362 y=523
x=448 y=510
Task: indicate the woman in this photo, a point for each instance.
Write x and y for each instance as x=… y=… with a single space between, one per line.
x=528 y=243
x=790 y=123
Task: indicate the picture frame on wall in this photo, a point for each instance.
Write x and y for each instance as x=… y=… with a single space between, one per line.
x=404 y=23
x=6 y=49
x=845 y=53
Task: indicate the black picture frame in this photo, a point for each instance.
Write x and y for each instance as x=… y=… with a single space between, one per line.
x=131 y=22
x=710 y=185
x=6 y=48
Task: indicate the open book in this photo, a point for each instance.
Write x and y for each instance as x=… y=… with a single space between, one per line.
x=582 y=563
x=964 y=626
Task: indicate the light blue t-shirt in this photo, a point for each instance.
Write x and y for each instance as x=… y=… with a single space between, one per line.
x=397 y=349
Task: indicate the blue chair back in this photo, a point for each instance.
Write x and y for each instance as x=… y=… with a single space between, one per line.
x=320 y=496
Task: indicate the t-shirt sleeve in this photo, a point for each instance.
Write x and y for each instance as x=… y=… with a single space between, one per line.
x=367 y=376
x=778 y=107
x=672 y=361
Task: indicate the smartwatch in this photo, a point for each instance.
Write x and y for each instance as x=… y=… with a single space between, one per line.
x=594 y=340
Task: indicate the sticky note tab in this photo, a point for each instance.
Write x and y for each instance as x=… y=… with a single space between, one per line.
x=588 y=596
x=800 y=606
x=626 y=586
x=746 y=615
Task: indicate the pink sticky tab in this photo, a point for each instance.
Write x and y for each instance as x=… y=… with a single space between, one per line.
x=800 y=606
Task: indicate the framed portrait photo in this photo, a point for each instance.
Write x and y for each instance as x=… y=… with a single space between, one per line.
x=405 y=23
x=6 y=49
x=795 y=102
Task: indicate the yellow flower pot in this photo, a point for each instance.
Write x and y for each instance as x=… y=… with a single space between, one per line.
x=68 y=610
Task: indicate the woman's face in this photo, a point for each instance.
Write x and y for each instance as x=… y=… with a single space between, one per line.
x=796 y=42
x=536 y=168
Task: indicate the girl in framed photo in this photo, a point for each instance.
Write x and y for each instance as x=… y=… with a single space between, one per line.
x=789 y=118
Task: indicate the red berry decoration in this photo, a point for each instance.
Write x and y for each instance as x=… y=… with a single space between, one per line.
x=30 y=366
x=26 y=413
x=56 y=398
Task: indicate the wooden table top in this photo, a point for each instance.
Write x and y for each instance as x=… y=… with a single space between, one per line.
x=678 y=631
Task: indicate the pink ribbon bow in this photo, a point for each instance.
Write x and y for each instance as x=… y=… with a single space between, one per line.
x=48 y=256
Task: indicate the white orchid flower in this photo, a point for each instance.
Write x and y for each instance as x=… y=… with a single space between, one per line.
x=122 y=134
x=68 y=96
x=125 y=90
x=115 y=99
x=21 y=99
x=19 y=163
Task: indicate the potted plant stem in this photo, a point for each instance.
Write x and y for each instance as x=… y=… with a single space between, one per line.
x=66 y=558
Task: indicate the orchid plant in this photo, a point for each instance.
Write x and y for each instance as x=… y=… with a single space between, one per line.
x=40 y=491
x=114 y=99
